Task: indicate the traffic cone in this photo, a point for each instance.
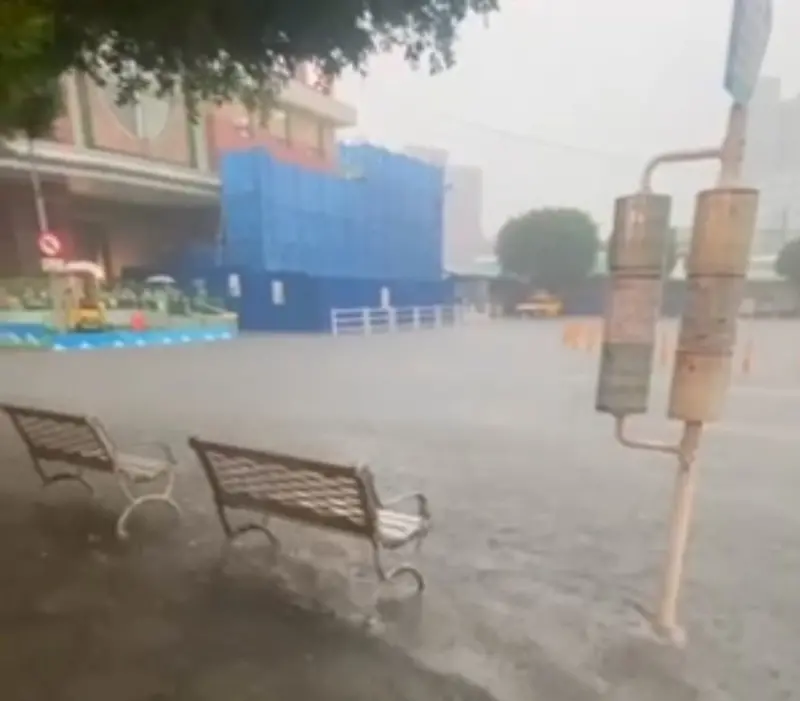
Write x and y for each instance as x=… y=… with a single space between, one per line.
x=574 y=336
x=592 y=338
x=747 y=360
x=584 y=337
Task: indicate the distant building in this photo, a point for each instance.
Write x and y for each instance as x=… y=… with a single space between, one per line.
x=772 y=164
x=463 y=241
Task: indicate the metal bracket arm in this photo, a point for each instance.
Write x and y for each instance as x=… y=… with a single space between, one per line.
x=652 y=446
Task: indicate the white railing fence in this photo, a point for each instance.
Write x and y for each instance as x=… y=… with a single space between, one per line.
x=365 y=321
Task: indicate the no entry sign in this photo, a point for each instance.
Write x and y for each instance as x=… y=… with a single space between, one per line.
x=49 y=244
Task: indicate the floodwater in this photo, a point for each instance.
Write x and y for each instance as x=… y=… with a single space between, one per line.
x=548 y=535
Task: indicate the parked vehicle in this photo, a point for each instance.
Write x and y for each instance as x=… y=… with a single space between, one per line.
x=540 y=304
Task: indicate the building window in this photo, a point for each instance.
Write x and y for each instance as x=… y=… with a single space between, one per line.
x=321 y=139
x=146 y=118
x=278 y=124
x=308 y=133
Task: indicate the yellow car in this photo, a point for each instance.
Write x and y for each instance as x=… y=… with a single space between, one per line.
x=541 y=304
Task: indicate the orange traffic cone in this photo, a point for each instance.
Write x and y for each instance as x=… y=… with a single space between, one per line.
x=747 y=360
x=574 y=336
x=592 y=338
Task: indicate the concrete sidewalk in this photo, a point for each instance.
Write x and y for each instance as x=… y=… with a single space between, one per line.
x=85 y=618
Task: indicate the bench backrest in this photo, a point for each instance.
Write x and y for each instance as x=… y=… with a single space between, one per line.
x=315 y=492
x=57 y=437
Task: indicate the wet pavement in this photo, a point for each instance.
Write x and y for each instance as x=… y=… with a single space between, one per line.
x=84 y=617
x=547 y=533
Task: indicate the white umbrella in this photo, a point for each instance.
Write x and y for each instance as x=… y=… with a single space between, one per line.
x=160 y=280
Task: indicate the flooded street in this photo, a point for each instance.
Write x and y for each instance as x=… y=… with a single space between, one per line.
x=548 y=535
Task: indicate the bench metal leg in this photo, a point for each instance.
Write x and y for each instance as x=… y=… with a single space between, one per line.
x=136 y=501
x=385 y=576
x=232 y=534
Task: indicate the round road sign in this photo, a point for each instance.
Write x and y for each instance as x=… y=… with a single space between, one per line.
x=49 y=244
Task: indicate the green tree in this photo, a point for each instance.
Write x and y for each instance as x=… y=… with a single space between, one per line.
x=552 y=248
x=212 y=50
x=30 y=95
x=219 y=49
x=787 y=265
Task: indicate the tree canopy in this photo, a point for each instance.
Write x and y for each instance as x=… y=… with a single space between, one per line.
x=214 y=49
x=787 y=265
x=30 y=98
x=553 y=248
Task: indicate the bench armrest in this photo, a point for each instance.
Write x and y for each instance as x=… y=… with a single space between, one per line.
x=421 y=499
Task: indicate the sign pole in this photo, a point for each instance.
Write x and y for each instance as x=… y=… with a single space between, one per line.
x=750 y=29
x=724 y=225
x=733 y=146
x=731 y=160
x=685 y=481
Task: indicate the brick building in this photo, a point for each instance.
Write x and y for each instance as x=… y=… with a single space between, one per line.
x=129 y=185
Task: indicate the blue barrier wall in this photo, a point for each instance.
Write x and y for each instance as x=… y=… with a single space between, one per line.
x=379 y=218
x=38 y=335
x=304 y=302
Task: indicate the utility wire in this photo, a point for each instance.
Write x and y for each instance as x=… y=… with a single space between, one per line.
x=529 y=137
x=534 y=138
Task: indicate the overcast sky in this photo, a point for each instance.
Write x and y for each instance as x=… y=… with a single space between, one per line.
x=561 y=101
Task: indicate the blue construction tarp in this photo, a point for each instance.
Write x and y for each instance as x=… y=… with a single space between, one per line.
x=379 y=216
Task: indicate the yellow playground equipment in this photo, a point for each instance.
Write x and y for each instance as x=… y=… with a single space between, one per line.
x=78 y=306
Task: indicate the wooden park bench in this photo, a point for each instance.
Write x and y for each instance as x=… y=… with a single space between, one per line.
x=336 y=497
x=83 y=443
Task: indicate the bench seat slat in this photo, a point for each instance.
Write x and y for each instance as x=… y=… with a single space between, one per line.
x=56 y=437
x=396 y=528
x=296 y=512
